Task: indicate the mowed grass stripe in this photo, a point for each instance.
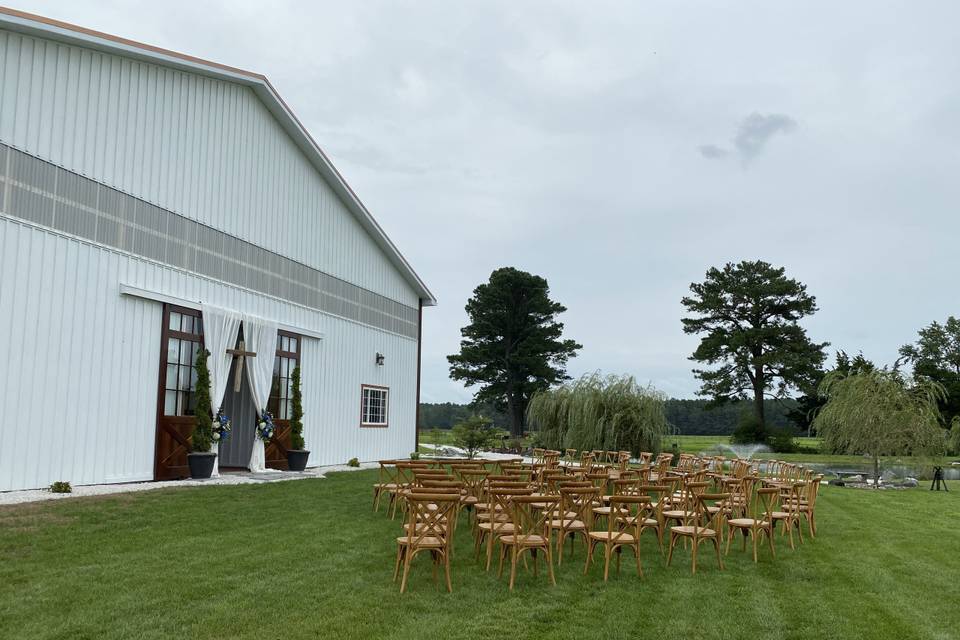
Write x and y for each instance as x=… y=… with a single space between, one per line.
x=307 y=558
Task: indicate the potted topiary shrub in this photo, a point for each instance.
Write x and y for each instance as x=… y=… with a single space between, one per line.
x=201 y=459
x=296 y=455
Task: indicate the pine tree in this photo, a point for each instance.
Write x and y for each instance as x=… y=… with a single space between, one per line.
x=203 y=432
x=296 y=412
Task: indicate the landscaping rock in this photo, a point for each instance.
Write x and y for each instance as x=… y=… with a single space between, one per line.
x=910 y=482
x=837 y=482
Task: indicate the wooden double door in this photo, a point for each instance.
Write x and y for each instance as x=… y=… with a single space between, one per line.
x=182 y=340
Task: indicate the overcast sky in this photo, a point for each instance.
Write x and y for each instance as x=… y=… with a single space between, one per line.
x=621 y=149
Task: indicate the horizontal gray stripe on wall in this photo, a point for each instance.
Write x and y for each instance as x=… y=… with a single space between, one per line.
x=43 y=193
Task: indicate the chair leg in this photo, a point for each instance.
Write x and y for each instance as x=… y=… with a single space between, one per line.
x=716 y=544
x=770 y=540
x=533 y=552
x=446 y=565
x=639 y=566
x=673 y=541
x=586 y=566
x=813 y=525
x=755 y=534
x=406 y=569
x=553 y=580
x=606 y=562
x=503 y=553
x=513 y=565
x=696 y=545
x=396 y=566
x=490 y=538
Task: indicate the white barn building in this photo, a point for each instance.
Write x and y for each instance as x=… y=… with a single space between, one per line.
x=138 y=187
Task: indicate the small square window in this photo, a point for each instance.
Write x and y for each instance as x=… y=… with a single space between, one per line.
x=374 y=406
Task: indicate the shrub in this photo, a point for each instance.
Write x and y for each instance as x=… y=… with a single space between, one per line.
x=414 y=456
x=749 y=430
x=353 y=462
x=599 y=412
x=781 y=441
x=202 y=433
x=296 y=411
x=953 y=440
x=61 y=486
x=475 y=433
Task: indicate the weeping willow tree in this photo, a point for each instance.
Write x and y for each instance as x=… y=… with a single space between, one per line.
x=613 y=413
x=879 y=413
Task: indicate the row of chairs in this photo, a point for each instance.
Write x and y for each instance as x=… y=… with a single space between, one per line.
x=521 y=507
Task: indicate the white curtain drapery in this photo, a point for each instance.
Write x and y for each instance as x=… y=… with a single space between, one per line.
x=220 y=329
x=260 y=337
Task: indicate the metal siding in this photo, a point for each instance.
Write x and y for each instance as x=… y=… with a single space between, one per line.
x=203 y=148
x=81 y=363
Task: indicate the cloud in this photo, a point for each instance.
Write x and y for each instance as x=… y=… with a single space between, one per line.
x=712 y=151
x=757 y=129
x=753 y=134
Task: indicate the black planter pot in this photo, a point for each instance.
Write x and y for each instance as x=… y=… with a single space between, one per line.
x=201 y=464
x=297 y=459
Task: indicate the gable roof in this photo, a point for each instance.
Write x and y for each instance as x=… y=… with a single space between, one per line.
x=67 y=33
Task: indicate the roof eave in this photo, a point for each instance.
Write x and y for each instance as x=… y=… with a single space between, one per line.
x=31 y=24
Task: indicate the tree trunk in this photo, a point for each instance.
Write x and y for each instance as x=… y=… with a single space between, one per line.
x=515 y=409
x=758 y=406
x=876 y=472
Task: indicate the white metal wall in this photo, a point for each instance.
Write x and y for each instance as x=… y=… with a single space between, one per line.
x=204 y=148
x=79 y=364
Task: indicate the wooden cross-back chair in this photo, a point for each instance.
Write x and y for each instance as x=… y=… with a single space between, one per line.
x=575 y=515
x=623 y=530
x=429 y=528
x=684 y=508
x=704 y=526
x=757 y=524
x=622 y=487
x=387 y=481
x=653 y=520
x=789 y=512
x=404 y=480
x=475 y=485
x=499 y=518
x=531 y=533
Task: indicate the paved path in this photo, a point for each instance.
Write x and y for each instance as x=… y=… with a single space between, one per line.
x=36 y=495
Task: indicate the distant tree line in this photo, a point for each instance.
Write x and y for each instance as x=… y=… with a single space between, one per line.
x=686 y=417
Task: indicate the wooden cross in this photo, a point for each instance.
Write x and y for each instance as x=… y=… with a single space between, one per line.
x=240 y=353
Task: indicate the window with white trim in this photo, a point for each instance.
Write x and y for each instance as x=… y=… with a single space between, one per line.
x=374 y=403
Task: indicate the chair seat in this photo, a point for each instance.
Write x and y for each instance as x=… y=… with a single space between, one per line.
x=527 y=541
x=624 y=538
x=702 y=532
x=386 y=485
x=471 y=500
x=746 y=522
x=428 y=542
x=568 y=524
x=499 y=527
x=678 y=514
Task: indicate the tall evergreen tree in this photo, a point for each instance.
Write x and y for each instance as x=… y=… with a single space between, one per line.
x=748 y=314
x=512 y=347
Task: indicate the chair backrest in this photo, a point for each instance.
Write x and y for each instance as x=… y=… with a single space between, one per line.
x=502 y=497
x=579 y=500
x=632 y=510
x=475 y=482
x=531 y=516
x=431 y=515
x=712 y=519
x=766 y=499
x=626 y=487
x=429 y=483
x=657 y=493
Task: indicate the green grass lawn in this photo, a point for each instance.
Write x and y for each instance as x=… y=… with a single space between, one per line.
x=309 y=559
